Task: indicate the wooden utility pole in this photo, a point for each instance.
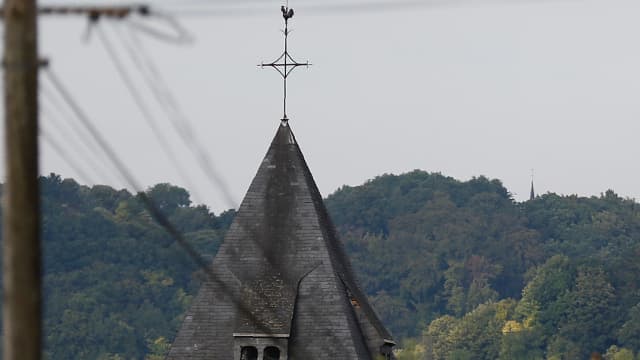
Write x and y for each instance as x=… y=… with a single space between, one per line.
x=21 y=254
x=21 y=224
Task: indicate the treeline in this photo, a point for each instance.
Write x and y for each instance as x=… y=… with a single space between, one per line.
x=470 y=274
x=457 y=270
x=115 y=284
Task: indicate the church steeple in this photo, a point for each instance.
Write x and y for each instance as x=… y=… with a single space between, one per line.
x=284 y=283
x=532 y=194
x=282 y=286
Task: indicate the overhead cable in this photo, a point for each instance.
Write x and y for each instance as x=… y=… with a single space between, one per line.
x=180 y=122
x=176 y=33
x=49 y=98
x=165 y=145
x=64 y=155
x=55 y=113
x=247 y=8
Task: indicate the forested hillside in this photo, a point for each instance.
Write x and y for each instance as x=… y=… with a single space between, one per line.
x=471 y=274
x=115 y=283
x=457 y=270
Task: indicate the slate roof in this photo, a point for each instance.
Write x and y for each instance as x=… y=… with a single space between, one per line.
x=282 y=272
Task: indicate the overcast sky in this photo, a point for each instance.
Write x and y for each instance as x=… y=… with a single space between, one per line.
x=465 y=88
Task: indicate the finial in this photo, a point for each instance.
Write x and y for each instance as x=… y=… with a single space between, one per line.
x=285 y=64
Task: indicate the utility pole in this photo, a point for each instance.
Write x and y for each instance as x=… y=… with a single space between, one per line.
x=21 y=265
x=21 y=249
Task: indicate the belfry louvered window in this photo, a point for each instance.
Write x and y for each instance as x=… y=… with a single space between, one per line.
x=271 y=353
x=248 y=353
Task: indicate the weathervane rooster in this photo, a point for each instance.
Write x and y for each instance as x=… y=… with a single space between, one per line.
x=287 y=13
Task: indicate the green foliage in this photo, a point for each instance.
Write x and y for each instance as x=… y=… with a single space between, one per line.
x=544 y=300
x=629 y=333
x=590 y=316
x=438 y=243
x=467 y=285
x=168 y=197
x=616 y=353
x=523 y=343
x=477 y=335
x=115 y=283
x=439 y=335
x=411 y=349
x=460 y=266
x=438 y=251
x=158 y=348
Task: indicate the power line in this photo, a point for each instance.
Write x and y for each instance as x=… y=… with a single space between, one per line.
x=177 y=33
x=140 y=103
x=62 y=153
x=246 y=8
x=53 y=126
x=173 y=110
x=49 y=98
x=154 y=81
x=203 y=2
x=62 y=120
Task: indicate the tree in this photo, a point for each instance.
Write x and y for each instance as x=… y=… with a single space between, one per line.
x=168 y=197
x=543 y=300
x=562 y=348
x=522 y=344
x=629 y=333
x=590 y=318
x=440 y=337
x=616 y=353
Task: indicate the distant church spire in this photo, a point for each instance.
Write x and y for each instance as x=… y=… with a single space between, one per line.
x=532 y=195
x=285 y=64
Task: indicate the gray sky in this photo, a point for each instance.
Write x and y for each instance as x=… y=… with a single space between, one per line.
x=464 y=88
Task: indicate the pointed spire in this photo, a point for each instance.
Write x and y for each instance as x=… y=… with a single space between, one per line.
x=532 y=194
x=292 y=284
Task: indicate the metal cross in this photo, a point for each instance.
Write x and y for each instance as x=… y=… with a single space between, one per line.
x=285 y=63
